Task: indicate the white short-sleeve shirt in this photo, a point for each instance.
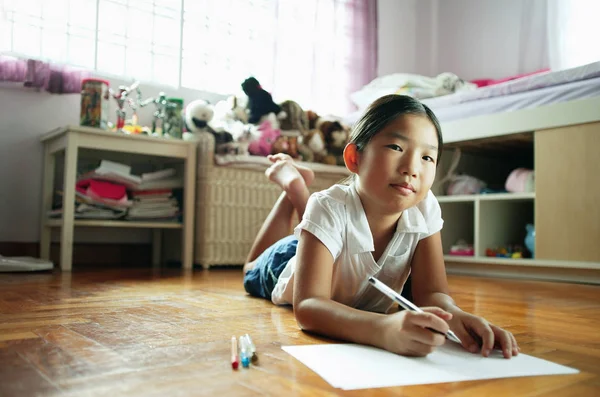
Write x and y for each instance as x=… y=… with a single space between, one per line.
x=337 y=218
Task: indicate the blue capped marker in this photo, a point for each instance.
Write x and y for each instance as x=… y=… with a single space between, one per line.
x=244 y=352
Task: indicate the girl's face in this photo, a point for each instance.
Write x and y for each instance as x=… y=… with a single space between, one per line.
x=397 y=167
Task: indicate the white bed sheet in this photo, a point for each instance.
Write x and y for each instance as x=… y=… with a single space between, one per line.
x=529 y=83
x=523 y=100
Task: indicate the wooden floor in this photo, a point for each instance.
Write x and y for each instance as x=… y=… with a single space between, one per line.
x=139 y=332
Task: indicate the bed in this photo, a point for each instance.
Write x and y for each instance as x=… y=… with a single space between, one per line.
x=551 y=120
x=545 y=100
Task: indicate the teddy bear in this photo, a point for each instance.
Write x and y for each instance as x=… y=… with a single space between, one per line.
x=197 y=116
x=336 y=137
x=314 y=141
x=292 y=117
x=260 y=102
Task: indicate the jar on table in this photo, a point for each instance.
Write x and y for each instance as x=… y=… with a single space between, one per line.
x=173 y=121
x=94 y=103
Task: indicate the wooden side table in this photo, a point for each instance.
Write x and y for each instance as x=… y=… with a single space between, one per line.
x=72 y=138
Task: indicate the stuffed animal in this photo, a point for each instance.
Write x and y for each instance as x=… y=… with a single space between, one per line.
x=293 y=117
x=260 y=102
x=198 y=115
x=336 y=137
x=314 y=140
x=264 y=144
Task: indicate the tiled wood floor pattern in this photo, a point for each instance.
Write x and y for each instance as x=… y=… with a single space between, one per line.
x=141 y=332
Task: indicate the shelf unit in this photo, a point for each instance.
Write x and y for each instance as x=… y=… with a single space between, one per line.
x=566 y=217
x=76 y=144
x=486 y=220
x=53 y=222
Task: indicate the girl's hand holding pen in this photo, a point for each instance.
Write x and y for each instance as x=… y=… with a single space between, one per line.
x=478 y=335
x=406 y=332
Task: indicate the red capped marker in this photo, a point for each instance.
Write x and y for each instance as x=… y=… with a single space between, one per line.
x=235 y=362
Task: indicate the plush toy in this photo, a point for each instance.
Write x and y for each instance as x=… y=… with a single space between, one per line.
x=314 y=140
x=198 y=115
x=293 y=118
x=264 y=144
x=260 y=102
x=312 y=118
x=336 y=137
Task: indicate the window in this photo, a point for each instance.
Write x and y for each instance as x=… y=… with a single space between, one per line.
x=225 y=41
x=573 y=32
x=312 y=51
x=127 y=38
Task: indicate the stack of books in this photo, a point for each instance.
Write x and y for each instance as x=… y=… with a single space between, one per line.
x=111 y=191
x=155 y=204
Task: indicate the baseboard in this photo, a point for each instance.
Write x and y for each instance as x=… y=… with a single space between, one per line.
x=86 y=253
x=562 y=274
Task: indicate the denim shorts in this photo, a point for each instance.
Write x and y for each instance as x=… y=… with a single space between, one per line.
x=261 y=280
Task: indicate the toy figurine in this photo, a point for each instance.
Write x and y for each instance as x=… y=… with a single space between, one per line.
x=122 y=97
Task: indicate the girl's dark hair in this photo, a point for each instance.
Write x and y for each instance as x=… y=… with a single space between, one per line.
x=385 y=110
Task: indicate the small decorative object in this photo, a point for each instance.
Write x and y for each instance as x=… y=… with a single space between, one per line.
x=122 y=97
x=521 y=180
x=198 y=117
x=94 y=103
x=509 y=251
x=260 y=102
x=530 y=239
x=173 y=121
x=462 y=248
x=160 y=103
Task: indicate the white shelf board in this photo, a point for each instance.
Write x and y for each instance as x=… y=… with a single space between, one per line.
x=523 y=262
x=110 y=223
x=486 y=197
x=540 y=118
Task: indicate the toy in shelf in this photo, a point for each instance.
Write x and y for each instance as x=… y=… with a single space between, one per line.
x=461 y=248
x=160 y=104
x=510 y=251
x=94 y=103
x=173 y=119
x=122 y=97
x=530 y=239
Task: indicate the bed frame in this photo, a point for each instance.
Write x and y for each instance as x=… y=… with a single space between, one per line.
x=562 y=141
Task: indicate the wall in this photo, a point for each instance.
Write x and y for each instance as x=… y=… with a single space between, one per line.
x=25 y=116
x=471 y=38
x=406 y=36
x=490 y=38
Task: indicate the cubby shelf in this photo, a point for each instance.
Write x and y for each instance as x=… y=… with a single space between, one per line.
x=486 y=220
x=486 y=197
x=117 y=223
x=522 y=262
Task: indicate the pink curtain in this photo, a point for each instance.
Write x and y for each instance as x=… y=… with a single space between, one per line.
x=324 y=50
x=54 y=78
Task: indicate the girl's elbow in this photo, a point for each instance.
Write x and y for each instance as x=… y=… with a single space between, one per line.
x=303 y=314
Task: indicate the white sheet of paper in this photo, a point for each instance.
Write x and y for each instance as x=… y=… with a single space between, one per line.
x=350 y=366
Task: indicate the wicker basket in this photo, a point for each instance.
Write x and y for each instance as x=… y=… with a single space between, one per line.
x=232 y=202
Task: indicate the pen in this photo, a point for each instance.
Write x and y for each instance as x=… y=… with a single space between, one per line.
x=234 y=353
x=408 y=305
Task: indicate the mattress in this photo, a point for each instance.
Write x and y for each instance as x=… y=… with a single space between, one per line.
x=529 y=83
x=528 y=92
x=523 y=100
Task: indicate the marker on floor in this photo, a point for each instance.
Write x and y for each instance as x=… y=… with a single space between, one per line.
x=234 y=353
x=244 y=352
x=252 y=349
